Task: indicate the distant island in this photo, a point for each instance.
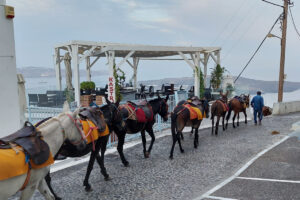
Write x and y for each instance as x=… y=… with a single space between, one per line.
x=243 y=84
x=37 y=72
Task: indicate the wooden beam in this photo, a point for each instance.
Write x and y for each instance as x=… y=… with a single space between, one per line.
x=88 y=54
x=187 y=60
x=125 y=59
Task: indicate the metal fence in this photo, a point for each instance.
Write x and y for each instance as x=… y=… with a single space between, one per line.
x=35 y=114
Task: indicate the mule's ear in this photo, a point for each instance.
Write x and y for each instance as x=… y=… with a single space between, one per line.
x=76 y=112
x=158 y=94
x=167 y=98
x=117 y=103
x=107 y=101
x=66 y=107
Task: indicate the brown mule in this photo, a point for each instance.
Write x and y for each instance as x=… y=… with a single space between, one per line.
x=219 y=109
x=238 y=104
x=181 y=117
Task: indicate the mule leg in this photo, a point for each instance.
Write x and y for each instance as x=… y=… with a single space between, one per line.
x=90 y=167
x=28 y=192
x=196 y=139
x=238 y=119
x=150 y=131
x=223 y=121
x=233 y=120
x=174 y=137
x=212 y=124
x=182 y=138
x=144 y=143
x=100 y=159
x=179 y=141
x=217 y=125
x=244 y=111
x=45 y=191
x=48 y=181
x=121 y=139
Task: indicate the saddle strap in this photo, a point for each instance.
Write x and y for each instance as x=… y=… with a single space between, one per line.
x=27 y=177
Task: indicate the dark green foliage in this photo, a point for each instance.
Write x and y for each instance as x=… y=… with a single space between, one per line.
x=201 y=84
x=87 y=85
x=69 y=95
x=217 y=77
x=119 y=76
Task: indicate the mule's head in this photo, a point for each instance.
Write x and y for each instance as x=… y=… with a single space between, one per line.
x=224 y=97
x=205 y=105
x=163 y=108
x=73 y=129
x=112 y=115
x=246 y=99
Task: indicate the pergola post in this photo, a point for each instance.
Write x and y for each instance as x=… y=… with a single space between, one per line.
x=135 y=66
x=75 y=65
x=57 y=68
x=218 y=57
x=196 y=59
x=88 y=68
x=111 y=79
x=206 y=57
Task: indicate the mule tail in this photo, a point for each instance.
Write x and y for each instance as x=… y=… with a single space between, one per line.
x=229 y=111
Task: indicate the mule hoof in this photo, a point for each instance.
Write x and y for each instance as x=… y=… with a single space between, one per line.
x=57 y=198
x=126 y=164
x=171 y=157
x=182 y=150
x=107 y=178
x=88 y=188
x=146 y=154
x=195 y=146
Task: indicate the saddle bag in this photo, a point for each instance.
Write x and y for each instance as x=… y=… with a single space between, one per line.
x=30 y=140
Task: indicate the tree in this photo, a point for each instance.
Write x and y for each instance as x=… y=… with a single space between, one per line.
x=119 y=76
x=201 y=84
x=217 y=77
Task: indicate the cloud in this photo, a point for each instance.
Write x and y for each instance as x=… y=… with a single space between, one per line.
x=32 y=7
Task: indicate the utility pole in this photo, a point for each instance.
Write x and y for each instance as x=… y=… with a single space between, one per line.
x=283 y=46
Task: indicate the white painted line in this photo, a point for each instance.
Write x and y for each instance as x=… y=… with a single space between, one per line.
x=267 y=179
x=236 y=174
x=220 y=198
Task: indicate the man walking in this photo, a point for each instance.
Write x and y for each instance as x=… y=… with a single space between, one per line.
x=257 y=103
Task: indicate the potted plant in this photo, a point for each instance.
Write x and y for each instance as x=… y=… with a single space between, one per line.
x=87 y=87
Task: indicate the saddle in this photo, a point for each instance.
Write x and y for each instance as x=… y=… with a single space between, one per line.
x=93 y=114
x=141 y=111
x=241 y=100
x=224 y=105
x=30 y=140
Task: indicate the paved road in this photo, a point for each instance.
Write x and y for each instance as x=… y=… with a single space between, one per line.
x=188 y=176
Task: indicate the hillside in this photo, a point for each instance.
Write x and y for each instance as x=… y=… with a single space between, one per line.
x=243 y=84
x=36 y=72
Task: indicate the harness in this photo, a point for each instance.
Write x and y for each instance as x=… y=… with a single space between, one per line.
x=64 y=136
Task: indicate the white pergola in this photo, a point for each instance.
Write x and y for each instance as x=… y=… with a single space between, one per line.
x=91 y=52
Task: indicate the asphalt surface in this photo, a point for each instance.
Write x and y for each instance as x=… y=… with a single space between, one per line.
x=188 y=175
x=275 y=175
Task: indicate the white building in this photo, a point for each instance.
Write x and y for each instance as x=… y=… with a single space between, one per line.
x=10 y=119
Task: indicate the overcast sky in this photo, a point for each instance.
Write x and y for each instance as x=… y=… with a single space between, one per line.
x=237 y=26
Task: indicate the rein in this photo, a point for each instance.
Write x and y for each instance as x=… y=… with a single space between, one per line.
x=82 y=134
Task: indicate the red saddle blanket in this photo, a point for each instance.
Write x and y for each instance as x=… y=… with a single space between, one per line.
x=12 y=163
x=225 y=106
x=139 y=113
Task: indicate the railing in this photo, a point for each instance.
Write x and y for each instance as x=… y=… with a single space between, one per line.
x=35 y=114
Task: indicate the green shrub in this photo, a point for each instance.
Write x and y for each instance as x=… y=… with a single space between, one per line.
x=87 y=85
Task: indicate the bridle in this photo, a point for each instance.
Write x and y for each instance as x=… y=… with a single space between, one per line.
x=75 y=121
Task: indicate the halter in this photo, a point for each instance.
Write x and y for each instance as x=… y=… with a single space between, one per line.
x=75 y=122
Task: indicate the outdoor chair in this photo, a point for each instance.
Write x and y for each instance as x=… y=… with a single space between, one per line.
x=43 y=100
x=33 y=99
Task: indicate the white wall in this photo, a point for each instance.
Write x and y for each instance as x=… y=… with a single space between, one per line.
x=286 y=107
x=9 y=98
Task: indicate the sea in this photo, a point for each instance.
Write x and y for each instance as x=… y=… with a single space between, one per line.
x=41 y=84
